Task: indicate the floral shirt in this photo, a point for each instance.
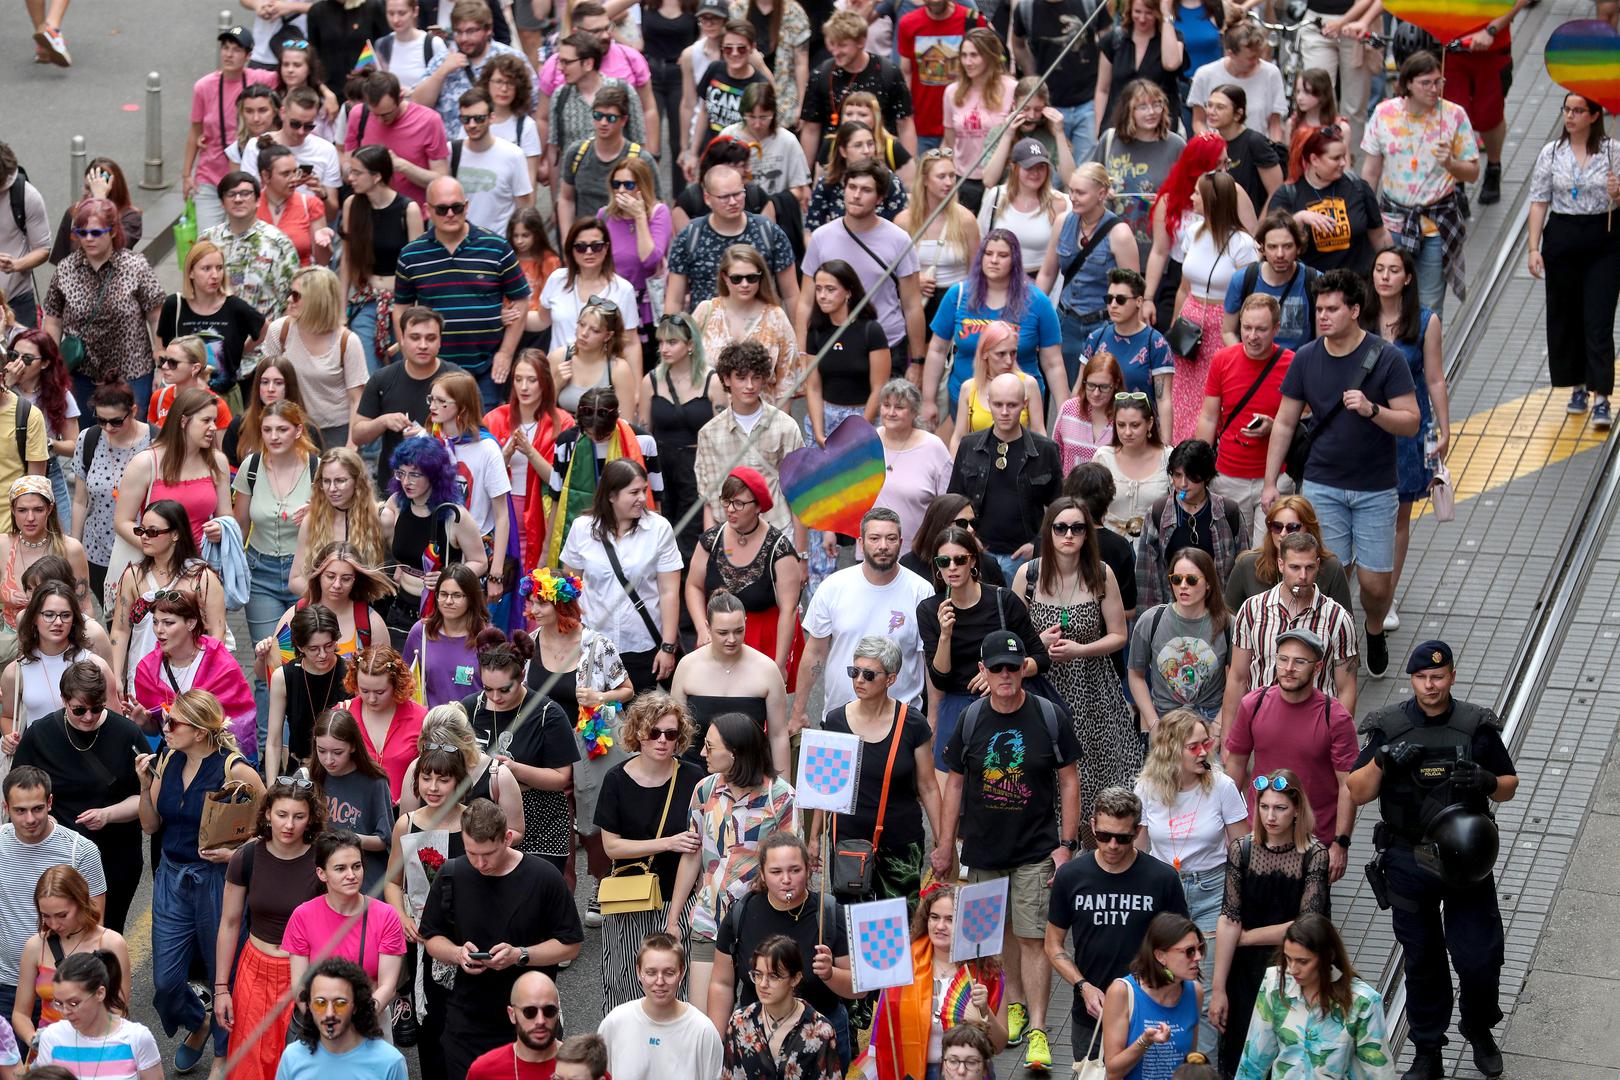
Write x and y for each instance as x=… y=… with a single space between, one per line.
x=107 y=309
x=732 y=832
x=809 y=1051
x=793 y=36
x=1558 y=178
x=463 y=78
x=1411 y=174
x=1288 y=1038
x=259 y=264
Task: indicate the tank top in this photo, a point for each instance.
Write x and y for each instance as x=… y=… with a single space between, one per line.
x=307 y=697
x=565 y=691
x=412 y=535
x=665 y=39
x=675 y=425
x=1159 y=1061
x=979 y=415
x=41 y=682
x=181 y=807
x=950 y=264
x=568 y=397
x=197 y=496
x=388 y=236
x=50 y=958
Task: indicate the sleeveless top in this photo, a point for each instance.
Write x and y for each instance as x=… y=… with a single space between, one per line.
x=568 y=397
x=754 y=584
x=1159 y=1061
x=41 y=681
x=50 y=958
x=142 y=639
x=979 y=415
x=388 y=236
x=675 y=425
x=412 y=535
x=181 y=807
x=307 y=697
x=10 y=586
x=665 y=38
x=197 y=496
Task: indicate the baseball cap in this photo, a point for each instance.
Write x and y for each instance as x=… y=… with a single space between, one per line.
x=1305 y=638
x=238 y=35
x=1001 y=647
x=715 y=7
x=1030 y=152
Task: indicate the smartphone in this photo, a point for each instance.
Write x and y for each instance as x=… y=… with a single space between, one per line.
x=478 y=956
x=1254 y=424
x=306 y=170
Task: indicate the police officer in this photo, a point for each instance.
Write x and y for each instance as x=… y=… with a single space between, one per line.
x=1434 y=763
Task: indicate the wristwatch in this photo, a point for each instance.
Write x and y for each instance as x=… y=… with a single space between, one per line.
x=523 y=956
x=666 y=647
x=1343 y=840
x=1374 y=414
x=1071 y=846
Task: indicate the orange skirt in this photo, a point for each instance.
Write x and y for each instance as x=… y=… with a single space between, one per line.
x=261 y=980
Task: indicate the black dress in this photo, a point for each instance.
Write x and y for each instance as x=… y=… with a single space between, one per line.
x=705 y=707
x=1120 y=47
x=675 y=427
x=1264 y=886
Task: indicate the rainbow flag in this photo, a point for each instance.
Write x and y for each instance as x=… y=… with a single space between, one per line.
x=284 y=644
x=830 y=488
x=366 y=59
x=1583 y=56
x=1448 y=20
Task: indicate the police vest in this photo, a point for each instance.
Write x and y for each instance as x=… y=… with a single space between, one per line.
x=1409 y=799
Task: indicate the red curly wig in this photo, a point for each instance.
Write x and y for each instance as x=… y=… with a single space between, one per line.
x=1204 y=153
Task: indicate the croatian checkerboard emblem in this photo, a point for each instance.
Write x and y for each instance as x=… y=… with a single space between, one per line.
x=882 y=937
x=981 y=920
x=829 y=767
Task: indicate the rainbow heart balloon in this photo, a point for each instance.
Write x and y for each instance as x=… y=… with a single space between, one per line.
x=1448 y=20
x=1583 y=56
x=831 y=487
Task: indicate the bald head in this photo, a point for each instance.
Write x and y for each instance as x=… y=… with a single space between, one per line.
x=1006 y=398
x=447 y=191
x=535 y=1014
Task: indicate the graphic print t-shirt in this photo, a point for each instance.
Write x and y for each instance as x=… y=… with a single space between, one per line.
x=1191 y=670
x=1109 y=913
x=1009 y=785
x=722 y=93
x=933 y=46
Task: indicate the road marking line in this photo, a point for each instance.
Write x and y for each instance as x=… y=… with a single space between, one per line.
x=138 y=939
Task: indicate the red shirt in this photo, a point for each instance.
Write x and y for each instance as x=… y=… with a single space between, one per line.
x=1231 y=373
x=502 y=1063
x=300 y=217
x=932 y=46
x=1285 y=736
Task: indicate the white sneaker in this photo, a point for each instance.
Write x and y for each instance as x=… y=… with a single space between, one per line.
x=1392 y=621
x=50 y=39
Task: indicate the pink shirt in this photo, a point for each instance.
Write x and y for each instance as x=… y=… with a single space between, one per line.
x=417 y=135
x=973 y=121
x=214 y=107
x=1284 y=736
x=399 y=745
x=316 y=931
x=619 y=63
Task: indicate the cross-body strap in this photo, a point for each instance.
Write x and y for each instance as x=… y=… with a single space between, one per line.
x=1109 y=220
x=888 y=773
x=887 y=277
x=635 y=597
x=1368 y=362
x=1276 y=354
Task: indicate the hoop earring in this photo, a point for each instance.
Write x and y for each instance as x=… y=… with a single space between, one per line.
x=974 y=572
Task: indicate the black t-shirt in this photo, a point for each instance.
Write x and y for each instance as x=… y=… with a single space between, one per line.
x=1349 y=451
x=996 y=608
x=632 y=812
x=902 y=819
x=1352 y=207
x=831 y=84
x=1010 y=787
x=544 y=738
x=392 y=389
x=1117 y=554
x=525 y=907
x=1109 y=914
x=227 y=330
x=846 y=370
x=752 y=919
x=82 y=780
x=722 y=93
x=1121 y=49
x=1040 y=22
x=1192 y=530
x=1246 y=155
x=1001 y=520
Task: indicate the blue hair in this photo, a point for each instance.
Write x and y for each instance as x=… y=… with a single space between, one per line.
x=1018 y=283
x=429 y=455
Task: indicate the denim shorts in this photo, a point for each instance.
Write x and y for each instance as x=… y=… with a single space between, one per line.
x=1357 y=526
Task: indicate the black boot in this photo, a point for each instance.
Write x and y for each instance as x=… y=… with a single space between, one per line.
x=1490 y=192
x=1426 y=1065
x=1487 y=1055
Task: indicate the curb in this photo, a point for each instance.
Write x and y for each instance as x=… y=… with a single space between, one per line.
x=158 y=222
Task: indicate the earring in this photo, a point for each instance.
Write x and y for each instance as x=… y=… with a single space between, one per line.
x=1169 y=975
x=974 y=572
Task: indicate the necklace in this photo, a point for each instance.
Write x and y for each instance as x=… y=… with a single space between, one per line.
x=33 y=545
x=67 y=727
x=773 y=1024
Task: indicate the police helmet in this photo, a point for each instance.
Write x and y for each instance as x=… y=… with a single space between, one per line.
x=1460 y=846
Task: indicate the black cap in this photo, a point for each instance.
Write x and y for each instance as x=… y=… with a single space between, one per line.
x=1001 y=647
x=238 y=35
x=714 y=7
x=1429 y=654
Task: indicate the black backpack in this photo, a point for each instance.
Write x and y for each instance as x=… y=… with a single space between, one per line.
x=19 y=195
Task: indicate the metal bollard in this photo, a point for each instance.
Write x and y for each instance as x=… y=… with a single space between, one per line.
x=152 y=179
x=78 y=161
x=226 y=21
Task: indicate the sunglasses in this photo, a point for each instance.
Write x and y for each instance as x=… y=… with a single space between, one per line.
x=676 y=323
x=146 y=530
x=735 y=50
x=1003 y=669
x=1068 y=528
x=1123 y=839
x=297 y=783
x=862 y=673
x=331 y=1005
x=1281 y=527
x=1185 y=579
x=659 y=734
x=1189 y=951
x=1202 y=747
x=170 y=723
x=443 y=748
x=1130 y=395
x=83 y=710
x=939 y=152
x=601 y=303
x=113 y=423
x=623 y=185
x=745 y=279
x=942 y=561
x=589 y=247
x=1120 y=298
x=474 y=118
x=963 y=523
x=91 y=234
x=17 y=354
x=446 y=209
x=306 y=125
x=529 y=1012
x=607 y=117
x=1271 y=783
x=168 y=363
x=294 y=294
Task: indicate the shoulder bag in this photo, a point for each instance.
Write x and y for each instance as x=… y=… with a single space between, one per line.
x=1276 y=354
x=635 y=597
x=634 y=887
x=1184 y=335
x=854 y=862
x=72 y=345
x=1299 y=448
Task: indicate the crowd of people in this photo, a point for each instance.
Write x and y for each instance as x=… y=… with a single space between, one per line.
x=475 y=400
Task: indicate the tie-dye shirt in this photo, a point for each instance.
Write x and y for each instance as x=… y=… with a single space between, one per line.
x=732 y=833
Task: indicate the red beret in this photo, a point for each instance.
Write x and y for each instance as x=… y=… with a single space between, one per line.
x=756 y=484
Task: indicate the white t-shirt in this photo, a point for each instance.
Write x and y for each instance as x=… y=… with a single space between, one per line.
x=265 y=30
x=778 y=162
x=494 y=179
x=848 y=607
x=314 y=150
x=641 y=1048
x=644 y=552
x=528 y=140
x=1206 y=271
x=1194 y=827
x=480 y=476
x=405 y=60
x=565 y=304
x=1263 y=90
x=121 y=1054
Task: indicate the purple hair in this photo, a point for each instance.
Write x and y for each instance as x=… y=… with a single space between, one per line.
x=429 y=455
x=978 y=288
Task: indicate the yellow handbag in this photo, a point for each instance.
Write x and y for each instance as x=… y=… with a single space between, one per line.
x=634 y=887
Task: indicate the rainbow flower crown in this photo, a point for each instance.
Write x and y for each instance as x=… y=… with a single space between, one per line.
x=550 y=587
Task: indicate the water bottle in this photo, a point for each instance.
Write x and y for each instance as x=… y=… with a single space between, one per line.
x=1431 y=448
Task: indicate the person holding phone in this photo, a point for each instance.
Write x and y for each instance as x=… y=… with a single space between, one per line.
x=318 y=171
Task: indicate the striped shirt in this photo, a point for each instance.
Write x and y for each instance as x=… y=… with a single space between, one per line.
x=120 y=1054
x=467 y=287
x=21 y=865
x=1263 y=617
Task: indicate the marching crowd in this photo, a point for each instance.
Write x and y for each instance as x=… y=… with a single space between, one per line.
x=500 y=330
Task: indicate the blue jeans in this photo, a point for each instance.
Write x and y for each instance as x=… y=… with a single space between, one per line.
x=950 y=714
x=186 y=902
x=926 y=143
x=1431 y=274
x=1357 y=526
x=1080 y=127
x=840 y=1025
x=363 y=321
x=268 y=601
x=1009 y=564
x=83 y=388
x=1204 y=890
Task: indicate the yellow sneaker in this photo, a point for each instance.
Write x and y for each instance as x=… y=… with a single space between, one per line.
x=1017 y=1021
x=1037 y=1054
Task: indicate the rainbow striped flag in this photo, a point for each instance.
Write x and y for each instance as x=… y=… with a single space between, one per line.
x=366 y=59
x=1583 y=56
